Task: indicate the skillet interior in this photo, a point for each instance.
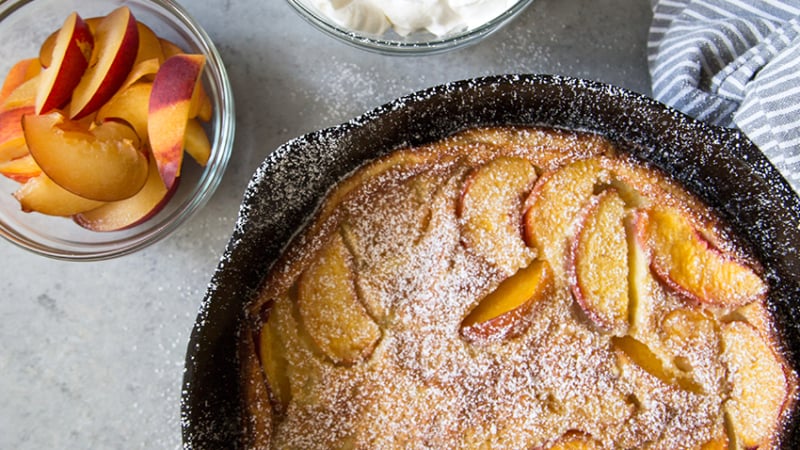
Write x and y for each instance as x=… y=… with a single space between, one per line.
x=720 y=165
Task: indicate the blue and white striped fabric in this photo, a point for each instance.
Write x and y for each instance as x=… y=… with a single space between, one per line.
x=733 y=63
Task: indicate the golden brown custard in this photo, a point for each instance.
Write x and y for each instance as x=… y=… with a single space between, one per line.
x=516 y=288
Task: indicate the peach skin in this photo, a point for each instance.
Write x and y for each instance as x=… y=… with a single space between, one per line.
x=170 y=104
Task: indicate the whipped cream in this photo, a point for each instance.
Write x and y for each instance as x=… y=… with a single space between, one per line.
x=438 y=17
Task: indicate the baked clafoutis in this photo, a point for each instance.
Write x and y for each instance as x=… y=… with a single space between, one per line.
x=513 y=288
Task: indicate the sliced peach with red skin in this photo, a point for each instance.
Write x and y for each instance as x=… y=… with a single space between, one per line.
x=46 y=49
x=70 y=58
x=116 y=42
x=169 y=106
x=686 y=261
x=131 y=211
x=21 y=169
x=503 y=312
x=19 y=73
x=11 y=135
x=104 y=164
x=42 y=195
x=23 y=96
x=490 y=209
x=201 y=103
x=330 y=309
x=759 y=387
x=598 y=263
x=131 y=105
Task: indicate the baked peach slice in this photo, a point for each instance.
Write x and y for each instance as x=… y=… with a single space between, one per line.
x=758 y=386
x=169 y=108
x=330 y=309
x=42 y=195
x=116 y=42
x=503 y=312
x=272 y=356
x=631 y=350
x=132 y=211
x=575 y=441
x=686 y=261
x=598 y=265
x=490 y=209
x=104 y=164
x=71 y=52
x=554 y=205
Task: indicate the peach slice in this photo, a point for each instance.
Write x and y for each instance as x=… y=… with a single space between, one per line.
x=170 y=102
x=575 y=441
x=555 y=204
x=130 y=105
x=691 y=338
x=633 y=350
x=688 y=263
x=142 y=71
x=490 y=208
x=116 y=42
x=13 y=150
x=127 y=213
x=11 y=135
x=149 y=45
x=598 y=263
x=169 y=48
x=759 y=386
x=23 y=96
x=42 y=195
x=21 y=169
x=46 y=49
x=330 y=309
x=196 y=142
x=273 y=362
x=503 y=312
x=103 y=164
x=70 y=58
x=19 y=73
x=201 y=103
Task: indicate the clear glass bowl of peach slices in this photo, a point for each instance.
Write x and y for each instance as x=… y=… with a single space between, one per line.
x=116 y=124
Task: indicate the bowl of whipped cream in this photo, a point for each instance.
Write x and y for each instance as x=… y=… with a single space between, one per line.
x=409 y=27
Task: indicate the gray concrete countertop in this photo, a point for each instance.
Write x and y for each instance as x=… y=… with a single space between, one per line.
x=92 y=353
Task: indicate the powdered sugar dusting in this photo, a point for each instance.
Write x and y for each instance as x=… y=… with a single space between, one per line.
x=294 y=178
x=418 y=278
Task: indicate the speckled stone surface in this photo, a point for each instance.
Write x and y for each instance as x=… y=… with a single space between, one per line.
x=92 y=354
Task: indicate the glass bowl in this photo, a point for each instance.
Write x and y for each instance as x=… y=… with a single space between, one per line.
x=24 y=25
x=415 y=43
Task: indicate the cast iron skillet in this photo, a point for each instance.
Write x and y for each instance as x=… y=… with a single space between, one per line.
x=719 y=165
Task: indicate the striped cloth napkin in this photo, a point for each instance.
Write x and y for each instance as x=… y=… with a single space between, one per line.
x=733 y=63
